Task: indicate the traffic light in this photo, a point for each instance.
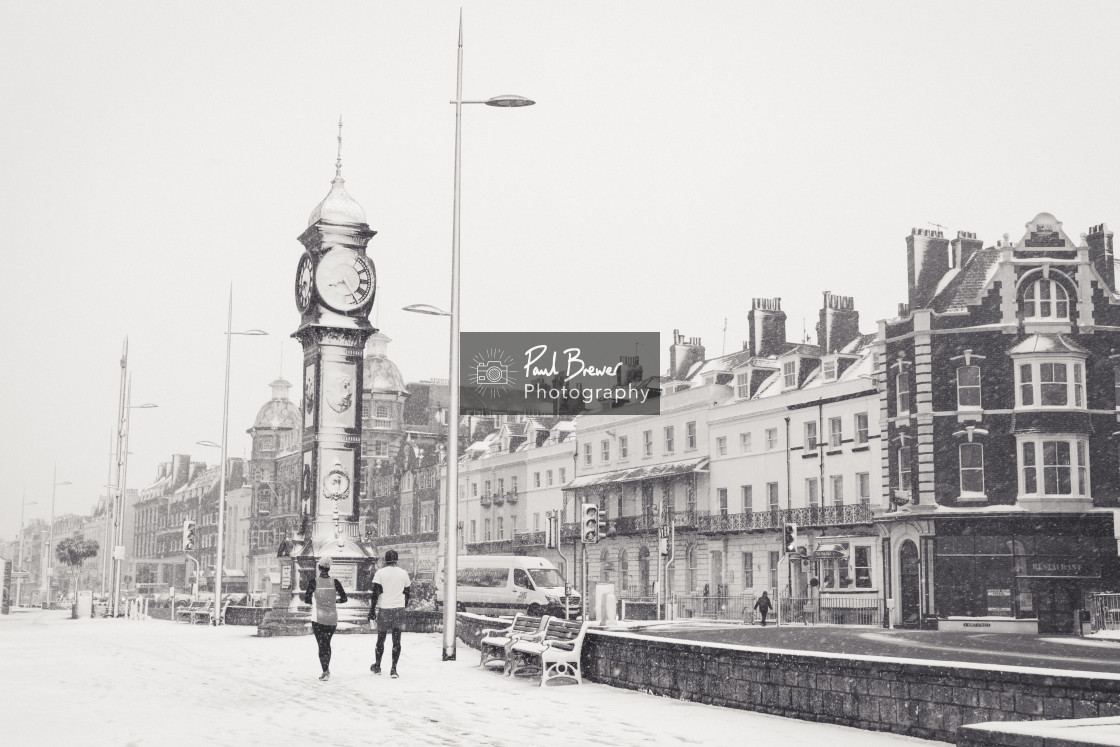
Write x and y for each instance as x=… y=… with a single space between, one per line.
x=551 y=532
x=589 y=523
x=188 y=535
x=790 y=532
x=603 y=522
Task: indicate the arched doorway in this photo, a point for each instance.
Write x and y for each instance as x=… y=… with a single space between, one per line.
x=909 y=585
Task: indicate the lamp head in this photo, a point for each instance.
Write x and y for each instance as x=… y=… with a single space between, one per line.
x=509 y=100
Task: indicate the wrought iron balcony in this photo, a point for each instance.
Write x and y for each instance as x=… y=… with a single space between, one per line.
x=816 y=516
x=484 y=501
x=492 y=547
x=529 y=539
x=498 y=498
x=511 y=496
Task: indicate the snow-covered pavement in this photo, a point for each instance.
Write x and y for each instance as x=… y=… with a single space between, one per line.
x=118 y=682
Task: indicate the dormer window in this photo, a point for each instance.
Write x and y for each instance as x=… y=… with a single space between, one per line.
x=789 y=374
x=1045 y=300
x=743 y=385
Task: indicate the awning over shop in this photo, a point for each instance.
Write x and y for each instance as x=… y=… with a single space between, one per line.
x=650 y=472
x=830 y=551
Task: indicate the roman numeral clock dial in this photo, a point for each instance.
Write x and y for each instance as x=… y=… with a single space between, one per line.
x=345 y=279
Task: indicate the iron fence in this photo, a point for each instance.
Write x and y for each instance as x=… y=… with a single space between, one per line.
x=737 y=607
x=1105 y=609
x=847 y=609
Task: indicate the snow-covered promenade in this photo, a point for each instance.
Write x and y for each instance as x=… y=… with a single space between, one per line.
x=117 y=682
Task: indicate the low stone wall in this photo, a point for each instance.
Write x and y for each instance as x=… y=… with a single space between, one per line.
x=876 y=693
x=469 y=627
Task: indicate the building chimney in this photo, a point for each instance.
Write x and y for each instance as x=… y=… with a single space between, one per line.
x=683 y=353
x=180 y=470
x=1099 y=240
x=630 y=370
x=767 y=324
x=964 y=247
x=839 y=323
x=927 y=261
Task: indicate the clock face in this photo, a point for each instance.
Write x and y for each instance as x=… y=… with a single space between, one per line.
x=345 y=279
x=303 y=283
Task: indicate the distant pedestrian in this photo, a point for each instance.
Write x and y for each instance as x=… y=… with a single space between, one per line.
x=391 y=591
x=325 y=592
x=763 y=606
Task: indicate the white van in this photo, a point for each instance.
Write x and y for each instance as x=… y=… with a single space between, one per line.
x=507 y=584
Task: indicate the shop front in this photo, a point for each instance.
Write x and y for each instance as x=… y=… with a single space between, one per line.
x=1039 y=568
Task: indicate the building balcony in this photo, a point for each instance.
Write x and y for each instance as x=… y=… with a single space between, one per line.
x=491 y=547
x=814 y=516
x=484 y=501
x=498 y=498
x=511 y=497
x=529 y=539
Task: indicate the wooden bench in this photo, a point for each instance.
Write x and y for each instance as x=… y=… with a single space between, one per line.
x=554 y=652
x=495 y=642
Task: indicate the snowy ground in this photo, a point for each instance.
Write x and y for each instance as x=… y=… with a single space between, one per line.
x=118 y=682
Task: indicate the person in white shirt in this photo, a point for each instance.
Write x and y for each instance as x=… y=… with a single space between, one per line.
x=391 y=591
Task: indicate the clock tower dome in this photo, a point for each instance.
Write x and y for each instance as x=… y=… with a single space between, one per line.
x=335 y=286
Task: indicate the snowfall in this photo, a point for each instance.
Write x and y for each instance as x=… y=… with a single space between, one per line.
x=156 y=682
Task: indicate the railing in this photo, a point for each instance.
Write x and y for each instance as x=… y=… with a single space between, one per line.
x=841 y=609
x=1106 y=611
x=511 y=496
x=738 y=607
x=498 y=499
x=492 y=547
x=484 y=501
x=529 y=539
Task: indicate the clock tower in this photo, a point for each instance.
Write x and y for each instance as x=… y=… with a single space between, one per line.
x=335 y=284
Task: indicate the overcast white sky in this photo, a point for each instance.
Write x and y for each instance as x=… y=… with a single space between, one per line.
x=682 y=159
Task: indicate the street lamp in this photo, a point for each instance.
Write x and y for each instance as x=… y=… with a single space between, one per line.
x=224 y=445
x=122 y=474
x=451 y=545
x=19 y=580
x=48 y=576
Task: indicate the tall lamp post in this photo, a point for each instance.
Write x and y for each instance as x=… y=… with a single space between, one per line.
x=48 y=577
x=224 y=447
x=19 y=581
x=122 y=474
x=451 y=547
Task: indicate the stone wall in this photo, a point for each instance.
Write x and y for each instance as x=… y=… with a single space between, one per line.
x=927 y=701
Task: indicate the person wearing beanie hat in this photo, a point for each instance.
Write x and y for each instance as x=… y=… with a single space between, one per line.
x=321 y=593
x=391 y=590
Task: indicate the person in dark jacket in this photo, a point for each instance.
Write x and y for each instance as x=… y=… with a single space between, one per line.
x=763 y=606
x=325 y=592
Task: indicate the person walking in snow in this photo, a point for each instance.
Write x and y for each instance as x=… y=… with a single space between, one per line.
x=763 y=606
x=323 y=593
x=391 y=590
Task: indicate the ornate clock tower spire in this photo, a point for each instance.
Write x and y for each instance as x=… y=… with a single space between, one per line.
x=334 y=291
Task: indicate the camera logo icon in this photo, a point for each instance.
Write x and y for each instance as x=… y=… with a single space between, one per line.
x=492 y=373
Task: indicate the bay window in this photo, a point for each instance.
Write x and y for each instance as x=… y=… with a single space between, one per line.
x=1052 y=465
x=1049 y=383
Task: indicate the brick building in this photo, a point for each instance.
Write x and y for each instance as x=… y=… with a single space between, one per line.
x=1000 y=378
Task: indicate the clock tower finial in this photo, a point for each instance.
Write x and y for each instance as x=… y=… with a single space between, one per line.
x=338 y=161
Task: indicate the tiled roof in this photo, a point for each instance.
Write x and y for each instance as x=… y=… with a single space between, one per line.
x=968 y=286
